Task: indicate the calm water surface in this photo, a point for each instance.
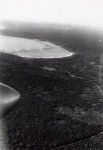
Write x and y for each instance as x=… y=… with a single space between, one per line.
x=32 y=48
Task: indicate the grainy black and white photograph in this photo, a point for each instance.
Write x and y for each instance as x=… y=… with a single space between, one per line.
x=51 y=75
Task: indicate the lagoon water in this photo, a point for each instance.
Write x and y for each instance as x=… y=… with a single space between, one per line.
x=31 y=48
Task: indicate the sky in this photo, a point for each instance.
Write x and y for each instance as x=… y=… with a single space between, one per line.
x=76 y=12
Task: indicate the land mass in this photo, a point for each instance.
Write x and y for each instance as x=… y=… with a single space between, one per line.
x=61 y=99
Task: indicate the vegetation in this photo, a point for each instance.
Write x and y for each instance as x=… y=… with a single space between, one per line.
x=53 y=101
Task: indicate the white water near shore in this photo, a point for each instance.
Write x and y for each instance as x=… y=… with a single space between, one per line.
x=32 y=48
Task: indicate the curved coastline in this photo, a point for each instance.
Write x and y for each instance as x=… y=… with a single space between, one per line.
x=32 y=48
